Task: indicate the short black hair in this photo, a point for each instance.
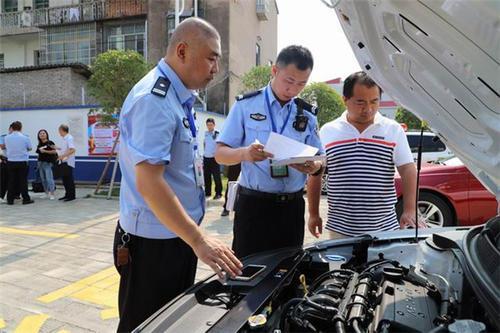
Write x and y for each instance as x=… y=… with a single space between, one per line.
x=64 y=127
x=298 y=55
x=359 y=78
x=16 y=126
x=210 y=120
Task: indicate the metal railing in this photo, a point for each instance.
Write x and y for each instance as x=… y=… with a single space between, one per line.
x=16 y=22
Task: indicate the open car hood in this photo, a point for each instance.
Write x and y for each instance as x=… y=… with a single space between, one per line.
x=439 y=59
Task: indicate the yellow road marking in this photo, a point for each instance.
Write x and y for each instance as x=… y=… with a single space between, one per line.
x=2 y=323
x=108 y=282
x=100 y=288
x=31 y=323
x=15 y=231
x=97 y=296
x=109 y=313
x=78 y=285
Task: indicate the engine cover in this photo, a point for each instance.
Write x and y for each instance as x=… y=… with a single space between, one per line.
x=404 y=307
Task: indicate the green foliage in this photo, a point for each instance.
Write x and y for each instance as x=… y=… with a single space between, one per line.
x=405 y=116
x=256 y=78
x=114 y=73
x=329 y=102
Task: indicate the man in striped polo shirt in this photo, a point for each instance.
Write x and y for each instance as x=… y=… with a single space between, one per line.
x=362 y=148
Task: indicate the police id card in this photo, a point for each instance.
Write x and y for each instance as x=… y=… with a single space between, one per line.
x=198 y=170
x=278 y=171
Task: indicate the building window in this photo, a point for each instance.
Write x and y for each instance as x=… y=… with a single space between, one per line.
x=257 y=55
x=127 y=37
x=171 y=20
x=36 y=57
x=68 y=44
x=9 y=6
x=39 y=4
x=2 y=64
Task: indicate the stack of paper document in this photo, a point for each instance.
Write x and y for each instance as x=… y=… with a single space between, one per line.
x=288 y=151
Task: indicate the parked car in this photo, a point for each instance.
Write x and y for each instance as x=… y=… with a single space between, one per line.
x=440 y=57
x=450 y=195
x=433 y=149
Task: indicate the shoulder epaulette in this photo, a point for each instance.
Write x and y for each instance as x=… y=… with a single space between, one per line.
x=248 y=95
x=306 y=106
x=161 y=87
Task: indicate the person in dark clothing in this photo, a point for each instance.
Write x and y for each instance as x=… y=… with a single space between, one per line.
x=210 y=166
x=47 y=156
x=3 y=177
x=17 y=145
x=66 y=160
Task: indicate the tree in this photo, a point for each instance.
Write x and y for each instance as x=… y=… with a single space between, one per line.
x=329 y=102
x=255 y=78
x=408 y=118
x=114 y=73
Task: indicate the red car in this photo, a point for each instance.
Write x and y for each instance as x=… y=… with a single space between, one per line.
x=450 y=195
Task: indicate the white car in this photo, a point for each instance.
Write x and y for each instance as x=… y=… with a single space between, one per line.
x=438 y=56
x=433 y=149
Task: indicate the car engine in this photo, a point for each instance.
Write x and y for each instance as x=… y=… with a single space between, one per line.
x=442 y=281
x=393 y=287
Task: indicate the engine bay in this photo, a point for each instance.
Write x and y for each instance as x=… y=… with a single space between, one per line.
x=392 y=284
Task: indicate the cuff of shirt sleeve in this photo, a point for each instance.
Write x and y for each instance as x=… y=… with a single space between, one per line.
x=138 y=157
x=398 y=164
x=227 y=144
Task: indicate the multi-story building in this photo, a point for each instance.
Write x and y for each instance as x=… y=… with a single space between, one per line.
x=46 y=46
x=54 y=32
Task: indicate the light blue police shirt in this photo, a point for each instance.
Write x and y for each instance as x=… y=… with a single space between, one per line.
x=17 y=146
x=153 y=130
x=249 y=120
x=210 y=143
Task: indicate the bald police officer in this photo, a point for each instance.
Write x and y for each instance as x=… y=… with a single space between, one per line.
x=162 y=199
x=269 y=213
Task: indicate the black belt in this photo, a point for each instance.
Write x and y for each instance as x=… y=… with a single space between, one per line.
x=279 y=197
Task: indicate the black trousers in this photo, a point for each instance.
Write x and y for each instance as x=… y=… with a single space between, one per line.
x=68 y=181
x=262 y=224
x=158 y=271
x=18 y=181
x=233 y=172
x=3 y=178
x=212 y=168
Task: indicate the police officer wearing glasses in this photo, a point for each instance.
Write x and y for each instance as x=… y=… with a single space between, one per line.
x=269 y=212
x=162 y=201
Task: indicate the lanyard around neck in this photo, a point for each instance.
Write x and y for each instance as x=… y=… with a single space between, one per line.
x=269 y=110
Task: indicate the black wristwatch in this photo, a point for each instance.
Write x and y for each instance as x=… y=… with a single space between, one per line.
x=317 y=173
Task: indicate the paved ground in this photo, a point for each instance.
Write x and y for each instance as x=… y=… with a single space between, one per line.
x=56 y=272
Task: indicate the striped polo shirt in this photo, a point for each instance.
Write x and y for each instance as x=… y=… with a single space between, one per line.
x=361 y=193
